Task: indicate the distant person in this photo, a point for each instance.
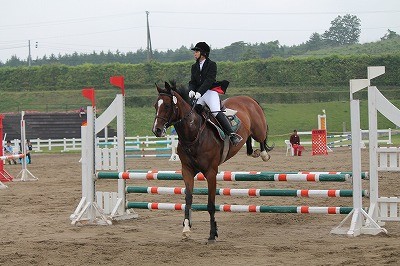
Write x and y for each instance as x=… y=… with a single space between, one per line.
x=82 y=112
x=28 y=151
x=28 y=148
x=9 y=150
x=295 y=141
x=173 y=131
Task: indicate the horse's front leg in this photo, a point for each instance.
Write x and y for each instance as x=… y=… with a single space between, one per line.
x=212 y=185
x=188 y=178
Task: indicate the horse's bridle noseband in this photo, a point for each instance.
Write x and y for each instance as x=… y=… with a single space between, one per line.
x=174 y=112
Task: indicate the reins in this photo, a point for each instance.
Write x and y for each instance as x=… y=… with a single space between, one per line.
x=176 y=123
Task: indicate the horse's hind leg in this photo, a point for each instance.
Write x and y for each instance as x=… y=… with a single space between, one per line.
x=264 y=154
x=249 y=149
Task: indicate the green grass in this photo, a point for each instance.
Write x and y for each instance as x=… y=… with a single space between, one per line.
x=281 y=118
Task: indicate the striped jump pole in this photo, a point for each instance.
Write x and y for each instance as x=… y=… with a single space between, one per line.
x=348 y=136
x=4 y=175
x=148 y=155
x=147 y=142
x=228 y=176
x=252 y=192
x=148 y=149
x=11 y=157
x=241 y=208
x=364 y=175
x=141 y=149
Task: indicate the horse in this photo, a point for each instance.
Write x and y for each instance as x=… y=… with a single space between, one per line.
x=200 y=148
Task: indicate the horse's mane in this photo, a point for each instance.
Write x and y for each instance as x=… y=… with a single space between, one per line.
x=181 y=90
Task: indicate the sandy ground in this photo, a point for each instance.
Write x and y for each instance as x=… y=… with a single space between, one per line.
x=36 y=230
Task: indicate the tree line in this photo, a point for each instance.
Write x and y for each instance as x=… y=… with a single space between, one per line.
x=344 y=30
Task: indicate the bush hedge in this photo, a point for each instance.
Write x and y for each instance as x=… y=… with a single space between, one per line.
x=310 y=71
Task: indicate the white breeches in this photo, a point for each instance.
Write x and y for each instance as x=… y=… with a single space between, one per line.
x=211 y=98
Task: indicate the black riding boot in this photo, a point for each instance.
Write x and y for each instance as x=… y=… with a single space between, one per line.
x=226 y=126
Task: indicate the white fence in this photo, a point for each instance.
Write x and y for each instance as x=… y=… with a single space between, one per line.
x=75 y=144
x=385 y=136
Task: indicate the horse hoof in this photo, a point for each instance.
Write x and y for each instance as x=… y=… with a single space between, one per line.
x=186 y=232
x=265 y=156
x=186 y=235
x=256 y=153
x=211 y=241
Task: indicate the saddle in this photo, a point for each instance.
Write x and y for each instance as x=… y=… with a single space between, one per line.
x=213 y=122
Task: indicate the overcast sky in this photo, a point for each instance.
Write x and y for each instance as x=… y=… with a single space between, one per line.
x=65 y=26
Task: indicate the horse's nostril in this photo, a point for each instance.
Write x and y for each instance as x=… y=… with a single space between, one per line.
x=158 y=131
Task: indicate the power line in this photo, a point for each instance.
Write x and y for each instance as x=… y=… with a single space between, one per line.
x=13 y=47
x=277 y=13
x=85 y=19
x=251 y=30
x=65 y=21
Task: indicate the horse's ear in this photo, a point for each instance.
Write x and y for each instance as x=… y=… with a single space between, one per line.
x=167 y=86
x=160 y=90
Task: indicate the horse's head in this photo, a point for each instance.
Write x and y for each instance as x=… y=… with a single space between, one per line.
x=167 y=110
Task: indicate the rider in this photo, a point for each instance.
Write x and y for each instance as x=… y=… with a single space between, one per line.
x=203 y=88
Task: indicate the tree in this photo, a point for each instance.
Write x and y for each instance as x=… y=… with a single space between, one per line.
x=390 y=35
x=343 y=31
x=234 y=51
x=14 y=61
x=315 y=42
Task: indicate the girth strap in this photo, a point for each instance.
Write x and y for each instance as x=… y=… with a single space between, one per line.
x=226 y=150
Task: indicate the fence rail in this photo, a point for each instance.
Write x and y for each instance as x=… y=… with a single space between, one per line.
x=75 y=144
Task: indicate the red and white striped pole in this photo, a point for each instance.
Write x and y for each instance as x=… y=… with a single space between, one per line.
x=4 y=175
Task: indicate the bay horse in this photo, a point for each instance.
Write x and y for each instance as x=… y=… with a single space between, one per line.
x=200 y=148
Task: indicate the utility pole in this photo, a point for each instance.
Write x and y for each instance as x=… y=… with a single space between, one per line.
x=149 y=49
x=29 y=55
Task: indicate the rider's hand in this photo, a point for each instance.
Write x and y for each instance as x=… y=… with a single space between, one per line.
x=195 y=95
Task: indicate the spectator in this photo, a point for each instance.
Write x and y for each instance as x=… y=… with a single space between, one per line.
x=9 y=150
x=82 y=112
x=28 y=151
x=173 y=131
x=295 y=141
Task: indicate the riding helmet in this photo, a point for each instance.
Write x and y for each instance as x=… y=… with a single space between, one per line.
x=203 y=48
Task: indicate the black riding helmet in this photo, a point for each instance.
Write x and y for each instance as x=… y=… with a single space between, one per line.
x=203 y=48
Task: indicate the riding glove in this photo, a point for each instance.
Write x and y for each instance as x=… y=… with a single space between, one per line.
x=195 y=95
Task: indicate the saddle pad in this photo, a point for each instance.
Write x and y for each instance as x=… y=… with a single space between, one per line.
x=235 y=123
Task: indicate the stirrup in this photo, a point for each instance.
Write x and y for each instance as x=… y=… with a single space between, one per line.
x=235 y=138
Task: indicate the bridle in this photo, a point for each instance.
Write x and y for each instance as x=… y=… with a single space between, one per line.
x=174 y=112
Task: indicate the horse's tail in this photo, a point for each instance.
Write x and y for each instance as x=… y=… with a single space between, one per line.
x=267 y=147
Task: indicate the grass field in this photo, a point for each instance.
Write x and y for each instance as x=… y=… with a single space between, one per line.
x=281 y=118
